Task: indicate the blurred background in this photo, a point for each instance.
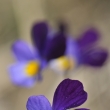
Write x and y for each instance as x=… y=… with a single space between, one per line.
x=16 y=19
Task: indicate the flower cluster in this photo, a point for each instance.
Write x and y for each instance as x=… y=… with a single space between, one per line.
x=57 y=49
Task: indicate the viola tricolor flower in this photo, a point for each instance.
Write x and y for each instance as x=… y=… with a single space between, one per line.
x=51 y=45
x=31 y=60
x=58 y=49
x=81 y=51
x=69 y=94
x=27 y=68
x=91 y=53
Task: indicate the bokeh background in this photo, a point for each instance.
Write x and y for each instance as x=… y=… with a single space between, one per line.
x=16 y=19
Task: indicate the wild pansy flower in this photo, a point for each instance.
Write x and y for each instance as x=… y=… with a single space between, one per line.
x=69 y=94
x=50 y=44
x=31 y=60
x=53 y=43
x=81 y=51
x=27 y=68
x=91 y=53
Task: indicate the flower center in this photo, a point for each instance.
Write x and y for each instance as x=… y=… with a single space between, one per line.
x=32 y=68
x=65 y=62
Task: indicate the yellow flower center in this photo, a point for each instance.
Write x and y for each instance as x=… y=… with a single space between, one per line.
x=64 y=62
x=32 y=68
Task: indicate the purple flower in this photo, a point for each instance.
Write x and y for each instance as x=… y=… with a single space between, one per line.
x=30 y=61
x=81 y=51
x=50 y=44
x=27 y=69
x=69 y=94
x=65 y=52
x=91 y=54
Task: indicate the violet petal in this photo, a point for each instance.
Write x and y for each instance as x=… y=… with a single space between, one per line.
x=55 y=47
x=39 y=35
x=22 y=51
x=95 y=57
x=88 y=38
x=18 y=76
x=69 y=94
x=72 y=50
x=39 y=102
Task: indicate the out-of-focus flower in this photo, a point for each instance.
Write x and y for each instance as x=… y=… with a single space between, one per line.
x=81 y=51
x=91 y=53
x=30 y=61
x=59 y=49
x=50 y=44
x=53 y=44
x=28 y=66
x=69 y=60
x=69 y=94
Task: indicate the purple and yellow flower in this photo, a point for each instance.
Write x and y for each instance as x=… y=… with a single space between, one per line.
x=81 y=51
x=27 y=68
x=31 y=60
x=69 y=94
x=58 y=49
x=53 y=43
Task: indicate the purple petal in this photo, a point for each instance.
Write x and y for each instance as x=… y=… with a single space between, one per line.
x=38 y=103
x=69 y=94
x=19 y=77
x=88 y=38
x=55 y=47
x=95 y=57
x=43 y=65
x=22 y=51
x=72 y=50
x=82 y=109
x=39 y=35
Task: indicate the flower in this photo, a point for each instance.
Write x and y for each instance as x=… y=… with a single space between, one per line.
x=53 y=43
x=50 y=44
x=81 y=51
x=31 y=61
x=27 y=69
x=69 y=94
x=91 y=53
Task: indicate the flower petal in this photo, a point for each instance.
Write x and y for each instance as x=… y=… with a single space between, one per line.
x=72 y=50
x=69 y=94
x=39 y=35
x=22 y=51
x=43 y=65
x=55 y=47
x=95 y=57
x=82 y=109
x=88 y=38
x=38 y=103
x=19 y=77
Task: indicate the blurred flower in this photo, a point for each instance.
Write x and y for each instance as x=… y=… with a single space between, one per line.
x=58 y=49
x=69 y=94
x=81 y=51
x=51 y=45
x=91 y=54
x=27 y=69
x=30 y=61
